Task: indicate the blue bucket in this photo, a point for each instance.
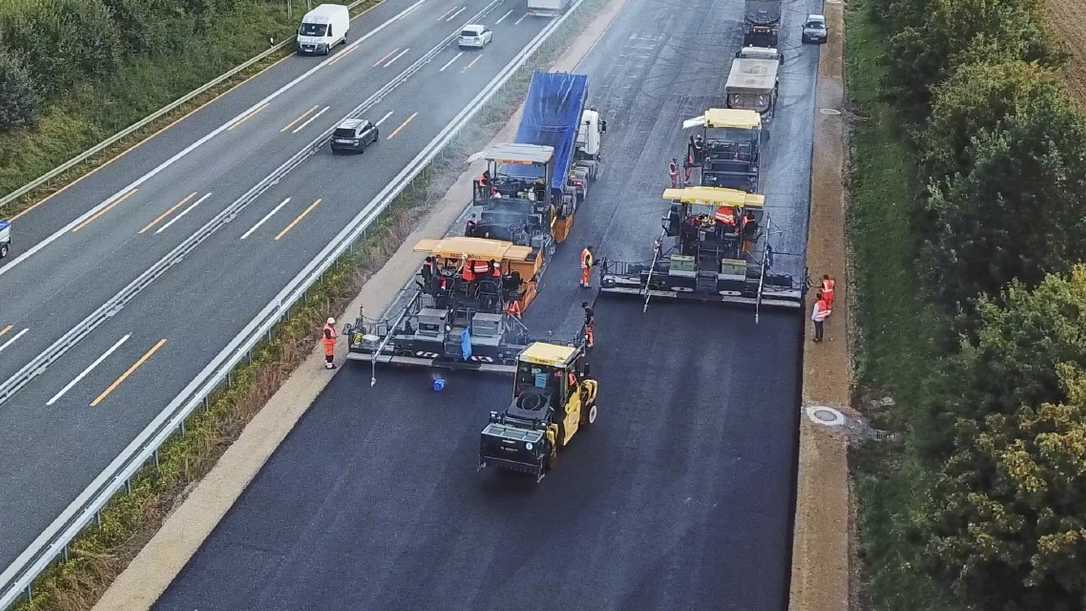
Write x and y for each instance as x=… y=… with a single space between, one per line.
x=439 y=384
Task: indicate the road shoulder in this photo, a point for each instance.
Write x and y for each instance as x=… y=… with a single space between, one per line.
x=823 y=518
x=163 y=558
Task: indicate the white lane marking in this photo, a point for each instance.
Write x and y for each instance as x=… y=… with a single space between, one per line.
x=517 y=22
x=90 y=368
x=387 y=55
x=477 y=58
x=450 y=62
x=300 y=117
x=266 y=217
x=12 y=340
x=310 y=120
x=502 y=18
x=247 y=117
x=453 y=16
x=33 y=250
x=341 y=55
x=382 y=120
x=398 y=56
x=183 y=213
x=446 y=14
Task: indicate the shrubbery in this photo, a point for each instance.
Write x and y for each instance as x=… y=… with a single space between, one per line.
x=1000 y=439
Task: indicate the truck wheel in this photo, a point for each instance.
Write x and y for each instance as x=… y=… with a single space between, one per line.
x=592 y=414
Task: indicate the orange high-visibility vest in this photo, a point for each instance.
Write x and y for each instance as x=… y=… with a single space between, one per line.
x=586 y=259
x=513 y=309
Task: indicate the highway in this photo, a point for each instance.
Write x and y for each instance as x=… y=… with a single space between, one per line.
x=115 y=327
x=680 y=497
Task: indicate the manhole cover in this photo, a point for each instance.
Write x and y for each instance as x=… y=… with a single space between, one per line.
x=829 y=111
x=825 y=415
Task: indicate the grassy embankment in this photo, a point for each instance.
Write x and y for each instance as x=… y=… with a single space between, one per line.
x=94 y=111
x=899 y=326
x=130 y=520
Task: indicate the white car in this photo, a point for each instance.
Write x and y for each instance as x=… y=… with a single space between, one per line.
x=475 y=37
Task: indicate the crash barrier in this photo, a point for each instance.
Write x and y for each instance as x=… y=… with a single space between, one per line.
x=17 y=579
x=144 y=122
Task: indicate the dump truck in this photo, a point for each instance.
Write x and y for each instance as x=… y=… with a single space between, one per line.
x=714 y=247
x=554 y=397
x=762 y=23
x=753 y=81
x=726 y=148
x=547 y=8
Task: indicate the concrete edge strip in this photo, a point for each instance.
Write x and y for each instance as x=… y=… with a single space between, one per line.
x=184 y=531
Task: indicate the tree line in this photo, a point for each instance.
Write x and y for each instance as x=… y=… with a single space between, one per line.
x=49 y=46
x=1001 y=226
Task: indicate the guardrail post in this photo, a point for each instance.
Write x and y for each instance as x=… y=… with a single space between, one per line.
x=157 y=465
x=181 y=426
x=128 y=486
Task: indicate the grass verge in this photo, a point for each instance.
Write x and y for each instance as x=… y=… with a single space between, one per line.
x=95 y=111
x=130 y=519
x=899 y=328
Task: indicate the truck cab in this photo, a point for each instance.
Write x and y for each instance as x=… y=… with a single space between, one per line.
x=553 y=399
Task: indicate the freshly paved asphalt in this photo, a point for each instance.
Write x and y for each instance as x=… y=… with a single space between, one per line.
x=680 y=497
x=48 y=454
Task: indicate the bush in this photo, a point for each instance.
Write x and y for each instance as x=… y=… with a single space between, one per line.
x=19 y=98
x=1016 y=211
x=1007 y=519
x=64 y=42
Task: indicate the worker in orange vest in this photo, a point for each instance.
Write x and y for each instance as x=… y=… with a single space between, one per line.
x=586 y=267
x=828 y=285
x=589 y=325
x=328 y=340
x=513 y=309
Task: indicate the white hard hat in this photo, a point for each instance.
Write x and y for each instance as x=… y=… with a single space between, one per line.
x=331 y=321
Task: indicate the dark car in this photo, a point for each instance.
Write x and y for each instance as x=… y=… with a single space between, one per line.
x=354 y=135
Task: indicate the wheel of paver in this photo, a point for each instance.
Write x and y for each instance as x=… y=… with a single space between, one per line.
x=592 y=414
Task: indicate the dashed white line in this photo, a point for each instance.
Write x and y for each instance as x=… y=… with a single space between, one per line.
x=453 y=16
x=502 y=18
x=90 y=368
x=517 y=22
x=477 y=58
x=382 y=120
x=183 y=213
x=310 y=120
x=450 y=62
x=12 y=340
x=446 y=14
x=387 y=55
x=398 y=56
x=266 y=217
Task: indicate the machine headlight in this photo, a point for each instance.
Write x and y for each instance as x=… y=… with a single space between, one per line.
x=528 y=445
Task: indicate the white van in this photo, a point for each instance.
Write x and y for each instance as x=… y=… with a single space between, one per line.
x=323 y=28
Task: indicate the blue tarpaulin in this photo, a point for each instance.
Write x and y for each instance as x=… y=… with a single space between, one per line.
x=552 y=115
x=465 y=344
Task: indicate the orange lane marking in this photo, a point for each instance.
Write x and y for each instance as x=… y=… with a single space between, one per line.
x=6 y=330
x=300 y=117
x=297 y=220
x=168 y=212
x=402 y=125
x=101 y=212
x=124 y=376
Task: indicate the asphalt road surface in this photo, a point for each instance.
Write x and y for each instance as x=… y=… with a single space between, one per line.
x=680 y=497
x=66 y=425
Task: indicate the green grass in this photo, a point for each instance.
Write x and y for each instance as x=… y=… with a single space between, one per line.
x=94 y=111
x=899 y=326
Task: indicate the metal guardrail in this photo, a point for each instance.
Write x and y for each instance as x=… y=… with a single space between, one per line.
x=17 y=579
x=144 y=122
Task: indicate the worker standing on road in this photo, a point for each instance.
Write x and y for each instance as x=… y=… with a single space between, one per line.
x=328 y=340
x=673 y=172
x=819 y=313
x=828 y=286
x=589 y=325
x=586 y=267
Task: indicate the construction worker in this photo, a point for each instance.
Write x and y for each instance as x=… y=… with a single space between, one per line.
x=586 y=267
x=495 y=269
x=828 y=286
x=748 y=230
x=328 y=340
x=673 y=172
x=589 y=325
x=470 y=226
x=513 y=309
x=819 y=313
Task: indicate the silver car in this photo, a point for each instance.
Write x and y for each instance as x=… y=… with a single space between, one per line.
x=814 y=29
x=475 y=37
